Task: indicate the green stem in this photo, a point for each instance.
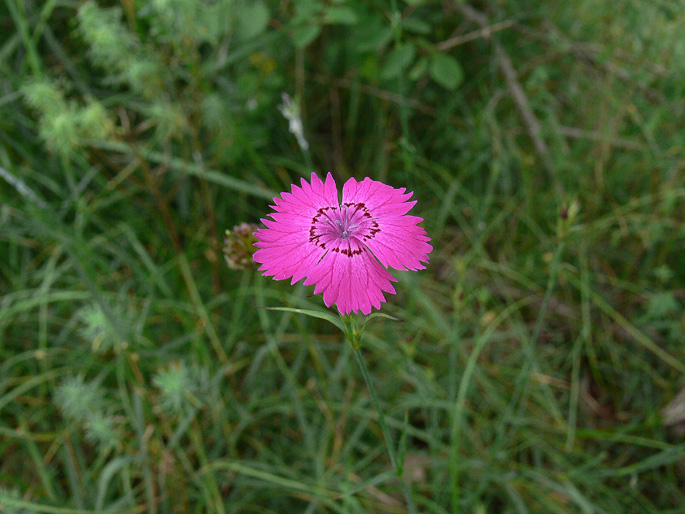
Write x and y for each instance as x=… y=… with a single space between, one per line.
x=308 y=159
x=386 y=433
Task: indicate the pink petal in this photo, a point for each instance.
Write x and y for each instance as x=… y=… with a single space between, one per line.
x=352 y=283
x=400 y=243
x=306 y=199
x=284 y=247
x=381 y=199
x=286 y=255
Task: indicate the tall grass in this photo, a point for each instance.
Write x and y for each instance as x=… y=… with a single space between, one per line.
x=544 y=146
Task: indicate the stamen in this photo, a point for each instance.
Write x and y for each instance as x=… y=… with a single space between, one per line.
x=345 y=222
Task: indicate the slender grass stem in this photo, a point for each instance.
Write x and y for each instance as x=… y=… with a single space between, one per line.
x=308 y=159
x=386 y=433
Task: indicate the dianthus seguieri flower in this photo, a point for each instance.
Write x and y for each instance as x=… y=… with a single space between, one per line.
x=342 y=247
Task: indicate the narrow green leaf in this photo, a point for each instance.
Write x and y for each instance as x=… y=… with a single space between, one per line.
x=402 y=447
x=107 y=474
x=418 y=69
x=314 y=314
x=382 y=315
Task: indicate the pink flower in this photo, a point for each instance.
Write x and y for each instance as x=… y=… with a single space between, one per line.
x=343 y=248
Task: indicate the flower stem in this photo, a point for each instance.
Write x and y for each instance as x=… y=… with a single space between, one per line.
x=386 y=433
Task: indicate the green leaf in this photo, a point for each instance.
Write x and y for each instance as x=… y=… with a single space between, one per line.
x=446 y=71
x=340 y=15
x=307 y=9
x=398 y=60
x=662 y=305
x=112 y=468
x=314 y=314
x=382 y=315
x=216 y=20
x=368 y=68
x=305 y=34
x=418 y=69
x=252 y=19
x=371 y=33
x=402 y=447
x=417 y=26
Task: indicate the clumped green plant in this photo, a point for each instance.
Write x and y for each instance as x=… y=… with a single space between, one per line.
x=83 y=403
x=96 y=329
x=100 y=430
x=180 y=387
x=112 y=46
x=77 y=399
x=65 y=126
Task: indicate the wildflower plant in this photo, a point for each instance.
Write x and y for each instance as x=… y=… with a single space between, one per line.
x=101 y=430
x=76 y=399
x=83 y=403
x=343 y=247
x=65 y=125
x=178 y=384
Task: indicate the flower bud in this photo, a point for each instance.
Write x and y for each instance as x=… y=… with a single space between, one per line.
x=238 y=246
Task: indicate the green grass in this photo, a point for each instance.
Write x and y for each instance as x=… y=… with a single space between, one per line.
x=137 y=371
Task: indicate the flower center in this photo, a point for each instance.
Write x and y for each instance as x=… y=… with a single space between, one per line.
x=340 y=228
x=343 y=228
x=344 y=222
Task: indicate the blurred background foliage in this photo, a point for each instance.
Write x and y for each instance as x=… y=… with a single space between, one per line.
x=542 y=353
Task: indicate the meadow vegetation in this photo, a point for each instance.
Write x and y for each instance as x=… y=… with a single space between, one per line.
x=540 y=353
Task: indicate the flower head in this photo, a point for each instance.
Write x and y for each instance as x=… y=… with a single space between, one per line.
x=342 y=247
x=238 y=246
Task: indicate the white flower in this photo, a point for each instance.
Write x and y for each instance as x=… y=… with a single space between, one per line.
x=291 y=111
